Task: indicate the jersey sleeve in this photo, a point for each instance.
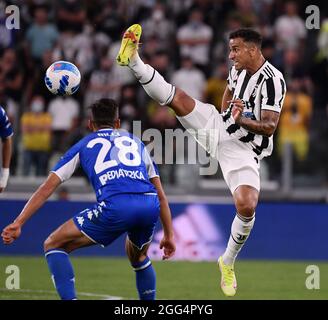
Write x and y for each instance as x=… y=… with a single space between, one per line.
x=273 y=94
x=68 y=163
x=6 y=129
x=232 y=79
x=151 y=166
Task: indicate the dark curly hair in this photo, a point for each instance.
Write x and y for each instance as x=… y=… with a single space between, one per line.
x=104 y=112
x=248 y=35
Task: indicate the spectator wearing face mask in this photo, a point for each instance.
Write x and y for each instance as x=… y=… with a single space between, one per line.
x=194 y=39
x=157 y=25
x=36 y=136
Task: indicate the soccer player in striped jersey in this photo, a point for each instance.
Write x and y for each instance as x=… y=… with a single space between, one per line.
x=238 y=137
x=130 y=198
x=6 y=132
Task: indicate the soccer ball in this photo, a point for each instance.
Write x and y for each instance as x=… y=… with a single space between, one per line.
x=62 y=78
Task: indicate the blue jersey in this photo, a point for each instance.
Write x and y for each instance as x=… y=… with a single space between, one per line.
x=115 y=161
x=6 y=129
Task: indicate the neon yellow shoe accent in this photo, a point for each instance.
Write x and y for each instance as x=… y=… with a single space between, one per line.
x=228 y=279
x=129 y=45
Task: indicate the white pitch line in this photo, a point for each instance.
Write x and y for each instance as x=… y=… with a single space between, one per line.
x=86 y=294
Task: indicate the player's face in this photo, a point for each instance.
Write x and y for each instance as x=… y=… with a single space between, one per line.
x=240 y=53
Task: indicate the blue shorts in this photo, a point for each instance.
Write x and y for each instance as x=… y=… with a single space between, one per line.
x=136 y=214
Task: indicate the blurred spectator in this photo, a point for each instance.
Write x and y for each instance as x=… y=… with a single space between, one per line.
x=124 y=74
x=293 y=67
x=109 y=21
x=104 y=82
x=295 y=120
x=161 y=62
x=77 y=48
x=268 y=49
x=290 y=28
x=36 y=137
x=194 y=39
x=71 y=15
x=246 y=10
x=221 y=47
x=36 y=85
x=13 y=74
x=189 y=78
x=152 y=46
x=42 y=35
x=216 y=85
x=163 y=119
x=128 y=107
x=64 y=112
x=159 y=26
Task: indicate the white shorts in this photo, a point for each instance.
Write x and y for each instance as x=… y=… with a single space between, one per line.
x=238 y=162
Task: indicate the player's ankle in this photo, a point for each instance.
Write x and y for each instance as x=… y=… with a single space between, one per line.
x=135 y=60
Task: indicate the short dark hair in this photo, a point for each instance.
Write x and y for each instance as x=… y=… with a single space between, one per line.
x=248 y=35
x=104 y=112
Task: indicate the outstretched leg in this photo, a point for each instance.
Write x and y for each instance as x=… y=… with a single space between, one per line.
x=153 y=83
x=57 y=247
x=145 y=273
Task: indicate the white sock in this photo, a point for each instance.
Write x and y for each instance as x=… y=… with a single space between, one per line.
x=153 y=83
x=240 y=229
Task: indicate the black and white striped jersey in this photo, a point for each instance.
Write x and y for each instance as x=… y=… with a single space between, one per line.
x=264 y=90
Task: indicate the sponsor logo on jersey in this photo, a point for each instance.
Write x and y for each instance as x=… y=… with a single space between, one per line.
x=121 y=173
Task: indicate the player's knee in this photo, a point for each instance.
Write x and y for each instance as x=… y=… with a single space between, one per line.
x=52 y=243
x=246 y=208
x=134 y=254
x=246 y=201
x=137 y=258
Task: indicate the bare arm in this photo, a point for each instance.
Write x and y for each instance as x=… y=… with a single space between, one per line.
x=6 y=157
x=13 y=231
x=39 y=197
x=6 y=152
x=165 y=215
x=227 y=96
x=266 y=126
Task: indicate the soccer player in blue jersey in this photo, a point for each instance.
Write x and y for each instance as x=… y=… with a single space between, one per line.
x=130 y=199
x=6 y=132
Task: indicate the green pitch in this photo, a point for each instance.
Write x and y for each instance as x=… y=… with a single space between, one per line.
x=108 y=278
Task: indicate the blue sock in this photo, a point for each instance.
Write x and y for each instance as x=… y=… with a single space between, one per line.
x=146 y=279
x=62 y=273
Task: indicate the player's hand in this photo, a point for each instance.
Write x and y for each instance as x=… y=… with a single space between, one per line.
x=167 y=243
x=11 y=233
x=237 y=109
